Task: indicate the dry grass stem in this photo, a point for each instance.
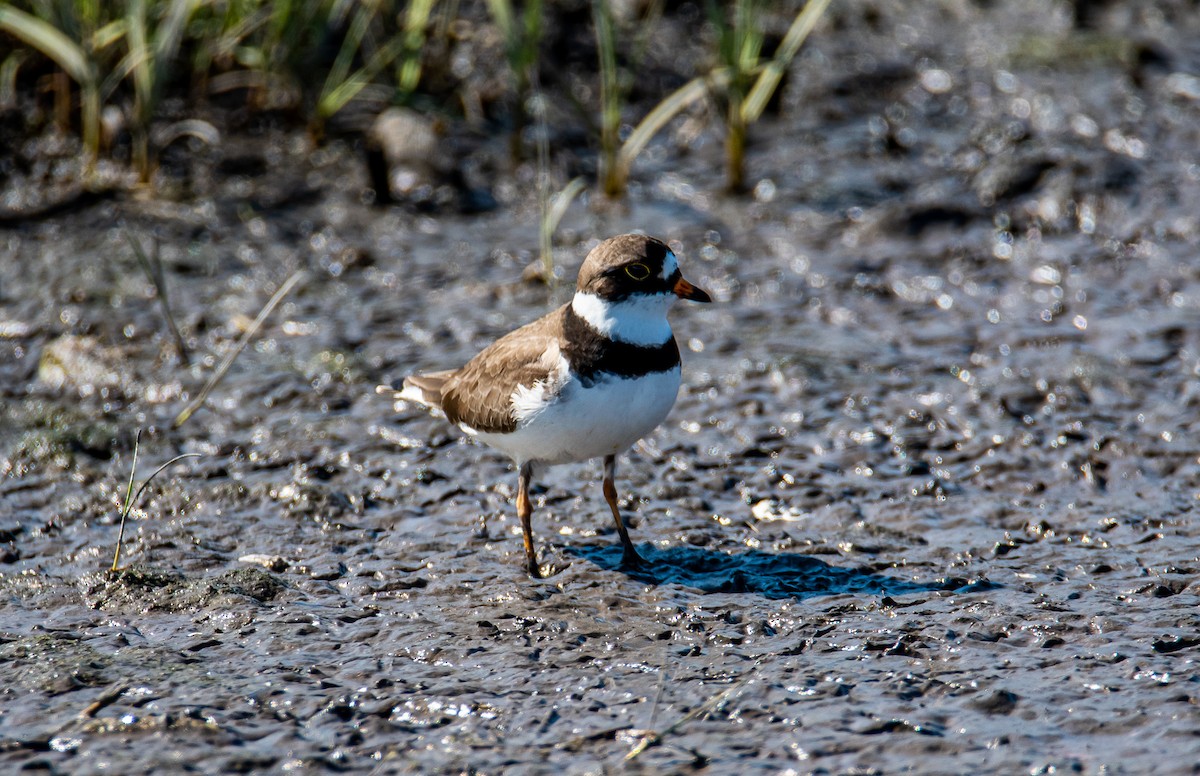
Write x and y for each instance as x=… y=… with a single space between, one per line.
x=154 y=271
x=248 y=335
x=656 y=737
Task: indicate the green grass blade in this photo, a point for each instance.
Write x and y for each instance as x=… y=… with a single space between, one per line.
x=339 y=73
x=553 y=213
x=169 y=34
x=531 y=35
x=131 y=499
x=747 y=35
x=137 y=496
x=108 y=35
x=128 y=501
x=768 y=80
x=120 y=71
x=415 y=22
x=338 y=96
x=502 y=15
x=610 y=98
x=8 y=78
x=88 y=12
x=140 y=58
x=671 y=106
x=50 y=41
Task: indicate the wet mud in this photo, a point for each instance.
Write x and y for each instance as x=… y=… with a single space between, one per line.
x=927 y=501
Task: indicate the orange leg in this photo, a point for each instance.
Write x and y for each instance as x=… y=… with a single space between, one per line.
x=525 y=512
x=629 y=558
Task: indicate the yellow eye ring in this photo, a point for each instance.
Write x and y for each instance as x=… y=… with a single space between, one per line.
x=637 y=271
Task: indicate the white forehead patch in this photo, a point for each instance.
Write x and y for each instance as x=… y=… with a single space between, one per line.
x=670 y=265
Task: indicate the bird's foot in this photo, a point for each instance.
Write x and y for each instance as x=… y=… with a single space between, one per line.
x=631 y=561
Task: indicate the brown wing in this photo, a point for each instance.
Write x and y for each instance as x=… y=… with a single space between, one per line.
x=480 y=394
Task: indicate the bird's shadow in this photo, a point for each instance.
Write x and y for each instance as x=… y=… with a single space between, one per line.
x=771 y=575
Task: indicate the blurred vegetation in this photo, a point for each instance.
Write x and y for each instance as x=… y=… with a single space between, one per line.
x=109 y=69
x=750 y=82
x=521 y=35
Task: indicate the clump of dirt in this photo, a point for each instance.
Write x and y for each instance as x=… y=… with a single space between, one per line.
x=48 y=433
x=146 y=589
x=55 y=663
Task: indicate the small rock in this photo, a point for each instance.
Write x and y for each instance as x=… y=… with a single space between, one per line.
x=78 y=362
x=408 y=142
x=269 y=562
x=999 y=702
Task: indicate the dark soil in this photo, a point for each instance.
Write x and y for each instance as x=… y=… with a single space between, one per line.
x=926 y=503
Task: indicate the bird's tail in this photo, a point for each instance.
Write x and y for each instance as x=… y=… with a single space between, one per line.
x=425 y=389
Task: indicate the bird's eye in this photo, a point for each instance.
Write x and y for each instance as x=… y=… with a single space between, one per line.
x=637 y=271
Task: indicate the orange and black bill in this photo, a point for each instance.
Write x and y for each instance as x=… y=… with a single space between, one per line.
x=685 y=290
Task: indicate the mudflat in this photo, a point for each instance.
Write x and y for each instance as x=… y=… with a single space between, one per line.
x=927 y=502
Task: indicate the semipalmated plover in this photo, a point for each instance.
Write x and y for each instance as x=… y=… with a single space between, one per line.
x=585 y=381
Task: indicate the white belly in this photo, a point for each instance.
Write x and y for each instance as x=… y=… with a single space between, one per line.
x=582 y=423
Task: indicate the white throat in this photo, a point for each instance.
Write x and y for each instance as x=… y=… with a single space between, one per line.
x=640 y=319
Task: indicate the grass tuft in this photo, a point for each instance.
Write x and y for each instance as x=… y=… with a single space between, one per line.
x=314 y=58
x=131 y=499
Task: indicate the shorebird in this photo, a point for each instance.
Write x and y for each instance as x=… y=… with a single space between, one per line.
x=584 y=381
